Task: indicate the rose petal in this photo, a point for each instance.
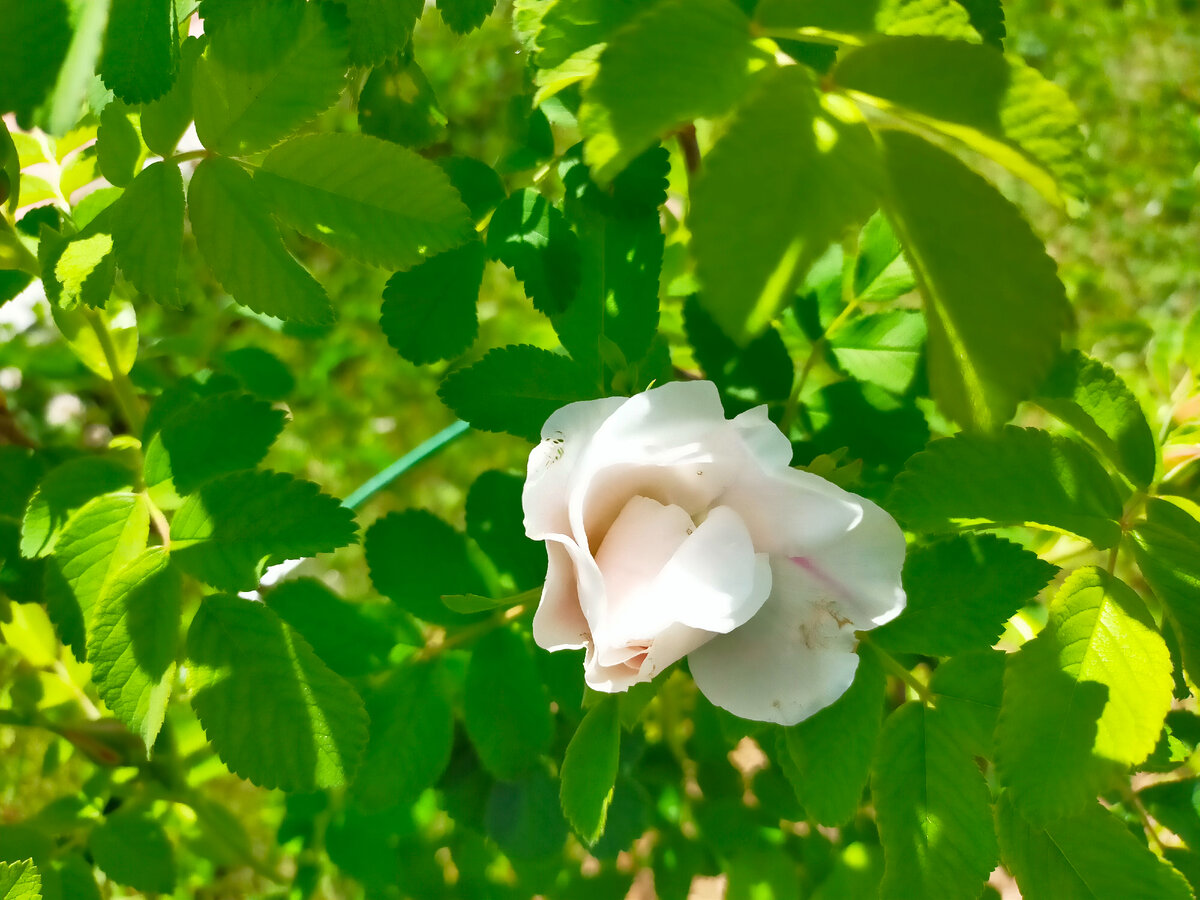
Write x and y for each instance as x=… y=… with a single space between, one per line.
x=638 y=665
x=565 y=436
x=714 y=581
x=791 y=660
x=559 y=623
x=766 y=443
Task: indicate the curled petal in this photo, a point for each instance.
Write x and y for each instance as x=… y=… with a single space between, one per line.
x=791 y=660
x=560 y=622
x=767 y=444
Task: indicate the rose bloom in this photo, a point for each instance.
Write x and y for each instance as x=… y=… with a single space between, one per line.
x=672 y=531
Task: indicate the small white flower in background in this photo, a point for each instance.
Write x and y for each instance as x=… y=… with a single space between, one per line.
x=672 y=531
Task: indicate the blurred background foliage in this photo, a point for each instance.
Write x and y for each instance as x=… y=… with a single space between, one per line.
x=1130 y=260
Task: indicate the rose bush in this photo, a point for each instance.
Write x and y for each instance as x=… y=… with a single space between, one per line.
x=672 y=531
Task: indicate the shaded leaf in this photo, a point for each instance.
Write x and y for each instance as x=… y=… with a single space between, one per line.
x=147 y=232
x=465 y=15
x=61 y=492
x=532 y=237
x=342 y=634
x=133 y=850
x=849 y=21
x=1167 y=545
x=428 y=312
x=140 y=52
x=275 y=713
x=29 y=66
x=379 y=29
x=165 y=120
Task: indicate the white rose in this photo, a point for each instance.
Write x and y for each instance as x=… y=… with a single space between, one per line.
x=672 y=531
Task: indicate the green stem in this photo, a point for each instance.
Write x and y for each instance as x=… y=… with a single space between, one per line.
x=920 y=688
x=471 y=633
x=126 y=397
x=188 y=155
x=417 y=455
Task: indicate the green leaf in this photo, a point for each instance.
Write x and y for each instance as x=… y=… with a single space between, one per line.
x=1091 y=856
x=968 y=691
x=10 y=176
x=428 y=312
x=415 y=558
x=20 y=881
x=621 y=249
x=571 y=26
x=243 y=248
x=29 y=65
x=995 y=106
x=476 y=182
x=118 y=146
x=77 y=270
x=371 y=199
x=515 y=389
x=216 y=434
x=132 y=640
x=1016 y=476
x=165 y=120
x=675 y=61
x=398 y=104
x=987 y=18
x=960 y=593
x=881 y=273
x=752 y=239
x=102 y=538
x=510 y=728
x=465 y=15
x=344 y=635
x=61 y=492
x=233 y=523
x=133 y=849
x=147 y=232
x=269 y=67
x=762 y=372
x=1092 y=399
x=525 y=817
x=884 y=348
x=379 y=29
x=1083 y=700
x=1167 y=546
x=532 y=237
x=589 y=769
x=992 y=295
x=849 y=21
x=260 y=372
x=140 y=51
x=275 y=713
x=495 y=521
x=412 y=733
x=61 y=110
x=828 y=756
x=932 y=807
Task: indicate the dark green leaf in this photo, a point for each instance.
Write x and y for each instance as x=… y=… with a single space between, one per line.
x=1167 y=545
x=933 y=810
x=374 y=200
x=166 y=119
x=269 y=68
x=1092 y=399
x=398 y=104
x=476 y=182
x=465 y=15
x=61 y=492
x=1012 y=477
x=884 y=348
x=132 y=641
x=495 y=523
x=243 y=248
x=1083 y=700
x=868 y=422
x=849 y=20
x=214 y=435
x=147 y=232
x=415 y=558
x=510 y=728
x=960 y=594
x=225 y=531
x=987 y=17
x=275 y=713
x=379 y=29
x=673 y=62
x=968 y=689
x=31 y=62
x=992 y=295
x=829 y=755
x=515 y=389
x=429 y=311
x=752 y=239
x=140 y=51
x=412 y=732
x=342 y=634
x=762 y=372
x=61 y=110
x=532 y=237
x=100 y=539
x=524 y=818
x=260 y=372
x=1091 y=856
x=10 y=176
